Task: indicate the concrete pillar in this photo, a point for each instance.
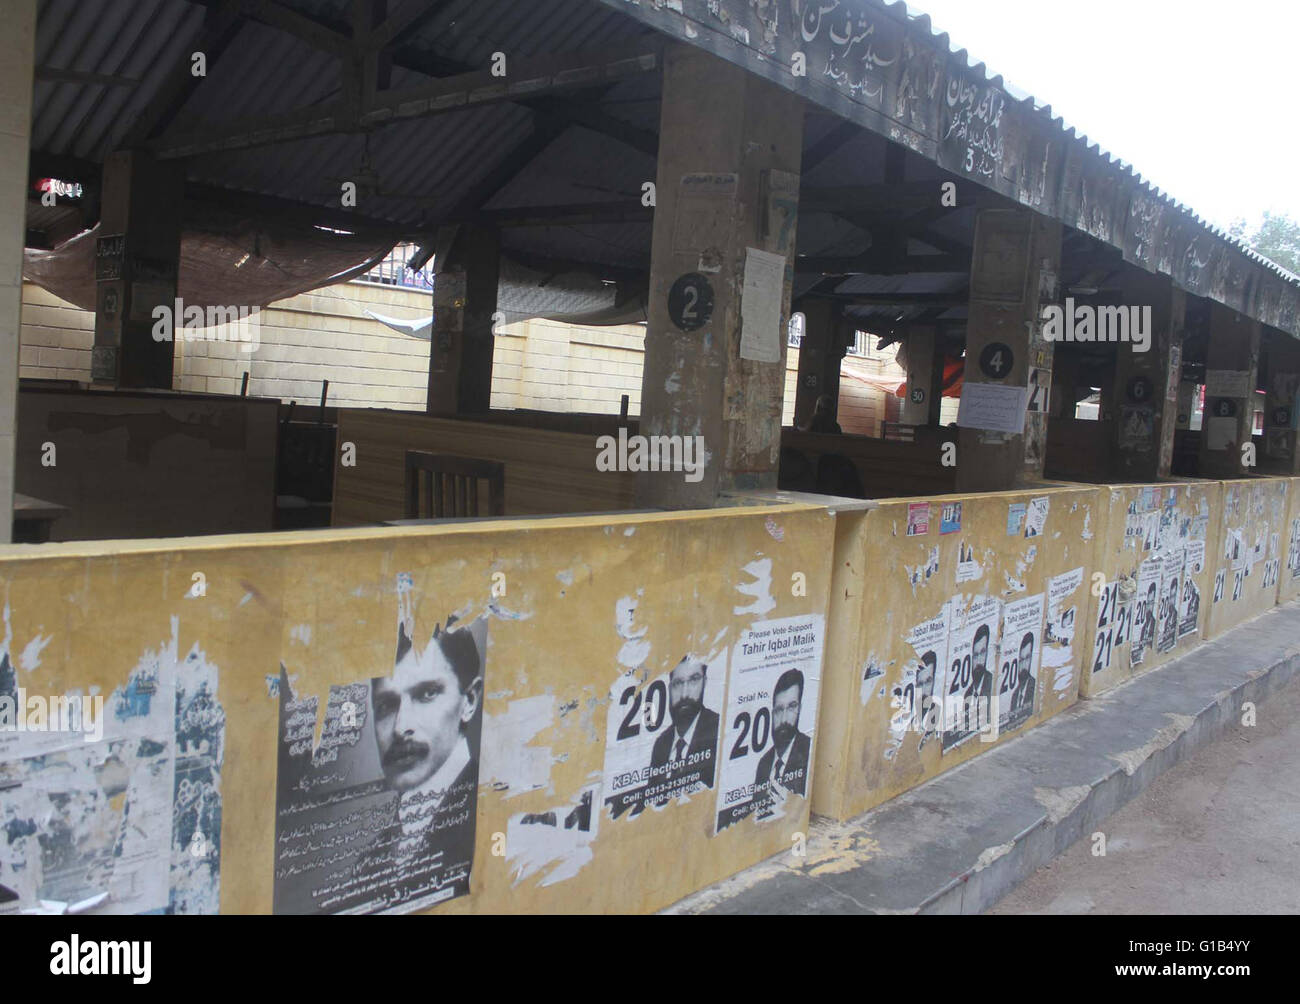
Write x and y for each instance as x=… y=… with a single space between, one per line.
x=924 y=393
x=137 y=260
x=17 y=55
x=728 y=185
x=820 y=356
x=1280 y=362
x=1231 y=371
x=1145 y=389
x=467 y=273
x=1014 y=269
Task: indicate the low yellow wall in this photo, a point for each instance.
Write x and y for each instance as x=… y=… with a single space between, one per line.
x=1152 y=537
x=244 y=734
x=913 y=577
x=1288 y=587
x=1252 y=548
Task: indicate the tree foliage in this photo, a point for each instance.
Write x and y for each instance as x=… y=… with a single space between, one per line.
x=1277 y=237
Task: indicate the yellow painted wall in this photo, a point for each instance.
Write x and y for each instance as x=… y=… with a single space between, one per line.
x=887 y=583
x=1177 y=516
x=583 y=605
x=1256 y=509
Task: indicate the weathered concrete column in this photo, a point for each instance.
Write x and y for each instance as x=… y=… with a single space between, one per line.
x=1014 y=270
x=1146 y=382
x=17 y=55
x=137 y=261
x=820 y=356
x=1280 y=361
x=467 y=273
x=924 y=377
x=728 y=186
x=1231 y=372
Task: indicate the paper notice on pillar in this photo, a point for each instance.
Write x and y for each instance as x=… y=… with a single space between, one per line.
x=379 y=815
x=1037 y=519
x=993 y=407
x=1020 y=654
x=1144 y=612
x=1015 y=518
x=661 y=737
x=1133 y=529
x=1040 y=382
x=1062 y=620
x=968 y=569
x=1220 y=433
x=918 y=519
x=1171 y=586
x=760 y=306
x=1228 y=383
x=1234 y=549
x=767 y=741
x=1150 y=531
x=969 y=678
x=1189 y=602
x=921 y=709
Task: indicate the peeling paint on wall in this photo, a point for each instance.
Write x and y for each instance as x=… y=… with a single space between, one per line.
x=760 y=589
x=129 y=821
x=555 y=844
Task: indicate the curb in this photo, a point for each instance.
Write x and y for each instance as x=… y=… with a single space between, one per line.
x=960 y=842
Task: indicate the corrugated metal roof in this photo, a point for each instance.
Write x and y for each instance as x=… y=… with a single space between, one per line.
x=923 y=20
x=438 y=160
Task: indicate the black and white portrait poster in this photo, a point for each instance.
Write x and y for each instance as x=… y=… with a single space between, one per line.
x=921 y=706
x=1189 y=604
x=1021 y=651
x=1171 y=585
x=1144 y=617
x=378 y=816
x=767 y=737
x=968 y=681
x=661 y=738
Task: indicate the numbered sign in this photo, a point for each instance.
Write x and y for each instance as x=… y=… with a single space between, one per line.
x=1140 y=390
x=1114 y=623
x=997 y=360
x=690 y=302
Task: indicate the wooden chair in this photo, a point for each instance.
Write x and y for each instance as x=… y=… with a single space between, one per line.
x=451 y=485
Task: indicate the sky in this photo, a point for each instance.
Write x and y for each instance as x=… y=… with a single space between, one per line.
x=1192 y=93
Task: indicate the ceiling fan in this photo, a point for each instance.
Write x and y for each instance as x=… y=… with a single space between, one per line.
x=369 y=184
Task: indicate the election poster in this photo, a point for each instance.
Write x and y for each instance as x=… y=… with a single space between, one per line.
x=767 y=741
x=1114 y=625
x=1189 y=605
x=968 y=680
x=377 y=816
x=1144 y=615
x=1021 y=652
x=661 y=737
x=921 y=707
x=1171 y=584
x=1062 y=625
